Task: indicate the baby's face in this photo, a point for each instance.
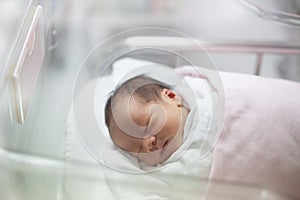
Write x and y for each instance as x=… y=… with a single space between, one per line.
x=151 y=132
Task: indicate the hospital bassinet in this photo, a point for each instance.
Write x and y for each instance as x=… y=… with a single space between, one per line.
x=33 y=123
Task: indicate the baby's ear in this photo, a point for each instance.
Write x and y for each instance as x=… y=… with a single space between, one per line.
x=171 y=96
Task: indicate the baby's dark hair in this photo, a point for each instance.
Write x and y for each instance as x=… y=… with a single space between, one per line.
x=146 y=89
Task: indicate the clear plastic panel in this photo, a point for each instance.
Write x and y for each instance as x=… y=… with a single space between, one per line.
x=24 y=175
x=29 y=177
x=287 y=17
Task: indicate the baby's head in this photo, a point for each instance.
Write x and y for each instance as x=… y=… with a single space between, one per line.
x=146 y=118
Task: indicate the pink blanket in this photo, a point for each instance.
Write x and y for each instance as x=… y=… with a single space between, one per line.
x=260 y=141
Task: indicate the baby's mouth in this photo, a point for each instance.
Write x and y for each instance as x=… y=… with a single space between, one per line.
x=165 y=144
x=164 y=147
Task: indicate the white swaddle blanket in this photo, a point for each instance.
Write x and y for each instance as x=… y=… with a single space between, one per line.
x=154 y=182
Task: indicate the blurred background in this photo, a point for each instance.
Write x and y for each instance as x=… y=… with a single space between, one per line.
x=70 y=29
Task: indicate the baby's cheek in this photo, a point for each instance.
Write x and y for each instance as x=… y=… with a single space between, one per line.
x=174 y=124
x=170 y=130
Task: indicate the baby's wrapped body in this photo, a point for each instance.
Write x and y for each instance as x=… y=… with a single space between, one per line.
x=260 y=141
x=259 y=144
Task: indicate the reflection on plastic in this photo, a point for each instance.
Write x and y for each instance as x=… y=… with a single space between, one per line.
x=26 y=71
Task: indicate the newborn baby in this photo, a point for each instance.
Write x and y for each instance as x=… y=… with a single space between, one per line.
x=146 y=118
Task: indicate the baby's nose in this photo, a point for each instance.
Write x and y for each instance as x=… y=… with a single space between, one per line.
x=150 y=144
x=160 y=143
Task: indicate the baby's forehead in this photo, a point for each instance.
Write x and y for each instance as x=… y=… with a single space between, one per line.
x=128 y=105
x=128 y=99
x=129 y=113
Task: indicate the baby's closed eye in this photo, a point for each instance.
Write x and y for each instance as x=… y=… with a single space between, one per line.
x=155 y=123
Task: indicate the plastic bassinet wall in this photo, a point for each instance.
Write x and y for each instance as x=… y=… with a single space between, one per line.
x=48 y=42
